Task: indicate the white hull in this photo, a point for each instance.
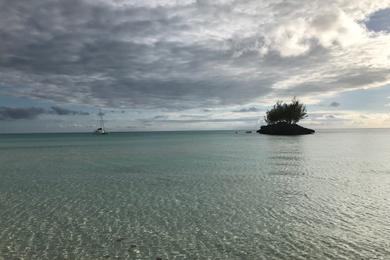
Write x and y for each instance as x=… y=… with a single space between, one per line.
x=100 y=132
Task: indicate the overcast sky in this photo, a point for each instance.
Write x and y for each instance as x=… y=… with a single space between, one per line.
x=180 y=65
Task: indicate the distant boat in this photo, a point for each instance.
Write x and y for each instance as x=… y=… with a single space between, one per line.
x=101 y=130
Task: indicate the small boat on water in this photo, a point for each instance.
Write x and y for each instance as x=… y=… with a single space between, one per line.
x=101 y=130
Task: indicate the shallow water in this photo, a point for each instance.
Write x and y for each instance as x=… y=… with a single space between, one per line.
x=195 y=195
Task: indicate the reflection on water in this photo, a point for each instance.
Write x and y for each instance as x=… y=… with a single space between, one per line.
x=213 y=195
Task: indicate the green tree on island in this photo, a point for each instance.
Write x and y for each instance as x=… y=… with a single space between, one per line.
x=288 y=113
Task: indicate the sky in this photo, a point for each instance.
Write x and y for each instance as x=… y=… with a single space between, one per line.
x=191 y=64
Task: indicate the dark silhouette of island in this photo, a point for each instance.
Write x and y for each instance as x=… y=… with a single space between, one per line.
x=282 y=119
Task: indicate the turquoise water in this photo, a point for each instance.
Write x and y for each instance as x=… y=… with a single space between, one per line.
x=195 y=195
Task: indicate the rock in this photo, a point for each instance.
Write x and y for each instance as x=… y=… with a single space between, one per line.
x=283 y=128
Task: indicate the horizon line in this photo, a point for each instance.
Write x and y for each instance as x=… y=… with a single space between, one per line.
x=188 y=130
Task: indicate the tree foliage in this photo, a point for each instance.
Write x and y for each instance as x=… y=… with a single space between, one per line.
x=283 y=112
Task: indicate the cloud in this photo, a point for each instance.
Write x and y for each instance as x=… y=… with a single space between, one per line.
x=248 y=109
x=189 y=54
x=334 y=104
x=207 y=120
x=8 y=113
x=339 y=119
x=331 y=27
x=12 y=113
x=159 y=117
x=63 y=111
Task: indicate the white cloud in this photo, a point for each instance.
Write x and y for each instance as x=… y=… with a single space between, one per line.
x=327 y=29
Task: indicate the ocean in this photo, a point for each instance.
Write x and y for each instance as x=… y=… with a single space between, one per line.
x=195 y=195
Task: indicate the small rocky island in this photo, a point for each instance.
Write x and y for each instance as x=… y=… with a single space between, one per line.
x=282 y=119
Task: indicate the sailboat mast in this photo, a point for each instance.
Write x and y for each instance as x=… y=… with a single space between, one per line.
x=101 y=119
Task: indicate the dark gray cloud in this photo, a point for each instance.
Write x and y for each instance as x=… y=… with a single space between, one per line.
x=12 y=113
x=9 y=113
x=159 y=117
x=63 y=111
x=334 y=104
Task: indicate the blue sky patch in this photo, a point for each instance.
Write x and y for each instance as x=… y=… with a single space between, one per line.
x=379 y=21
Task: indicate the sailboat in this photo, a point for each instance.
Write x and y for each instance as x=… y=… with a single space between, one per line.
x=100 y=130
